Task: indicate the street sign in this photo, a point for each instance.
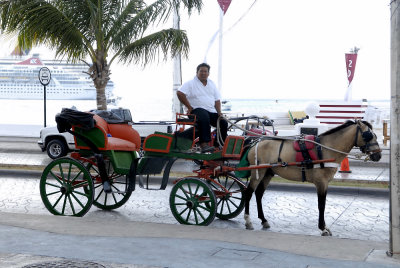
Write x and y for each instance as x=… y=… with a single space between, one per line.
x=44 y=76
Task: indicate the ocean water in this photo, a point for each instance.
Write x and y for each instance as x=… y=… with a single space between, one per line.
x=31 y=112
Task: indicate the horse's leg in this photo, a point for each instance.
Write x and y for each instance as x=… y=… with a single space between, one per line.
x=247 y=195
x=259 y=194
x=322 y=191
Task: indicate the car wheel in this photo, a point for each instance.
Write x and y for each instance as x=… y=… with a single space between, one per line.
x=56 y=149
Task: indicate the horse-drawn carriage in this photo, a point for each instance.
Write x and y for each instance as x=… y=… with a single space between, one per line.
x=104 y=171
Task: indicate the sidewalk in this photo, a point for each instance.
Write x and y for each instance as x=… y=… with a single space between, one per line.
x=41 y=239
x=48 y=241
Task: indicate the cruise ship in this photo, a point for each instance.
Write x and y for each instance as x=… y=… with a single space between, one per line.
x=19 y=79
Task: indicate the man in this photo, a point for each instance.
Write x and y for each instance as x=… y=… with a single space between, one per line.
x=202 y=98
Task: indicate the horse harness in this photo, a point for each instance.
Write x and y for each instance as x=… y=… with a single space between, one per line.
x=305 y=153
x=367 y=136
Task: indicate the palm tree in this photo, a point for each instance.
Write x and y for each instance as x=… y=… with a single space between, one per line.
x=102 y=30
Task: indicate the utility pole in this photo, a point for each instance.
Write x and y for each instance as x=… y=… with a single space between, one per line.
x=394 y=129
x=221 y=31
x=177 y=73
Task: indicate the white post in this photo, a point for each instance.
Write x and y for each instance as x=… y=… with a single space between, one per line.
x=177 y=73
x=221 y=29
x=348 y=95
x=394 y=130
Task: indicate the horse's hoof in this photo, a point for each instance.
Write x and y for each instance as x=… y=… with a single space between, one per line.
x=265 y=225
x=249 y=227
x=326 y=232
x=248 y=224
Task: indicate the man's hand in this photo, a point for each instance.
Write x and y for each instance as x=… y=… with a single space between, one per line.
x=182 y=98
x=218 y=107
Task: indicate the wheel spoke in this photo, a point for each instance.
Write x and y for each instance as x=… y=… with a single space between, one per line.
x=56 y=186
x=183 y=211
x=77 y=176
x=98 y=196
x=205 y=208
x=55 y=192
x=56 y=177
x=222 y=206
x=58 y=200
x=72 y=206
x=69 y=171
x=65 y=202
x=181 y=197
x=188 y=215
x=82 y=194
x=233 y=203
x=61 y=171
x=190 y=189
x=197 y=188
x=184 y=192
x=201 y=215
x=195 y=216
x=77 y=200
x=78 y=185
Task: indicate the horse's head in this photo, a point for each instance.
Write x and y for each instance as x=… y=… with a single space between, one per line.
x=367 y=140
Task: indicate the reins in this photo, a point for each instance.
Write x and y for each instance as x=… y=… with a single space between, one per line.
x=355 y=156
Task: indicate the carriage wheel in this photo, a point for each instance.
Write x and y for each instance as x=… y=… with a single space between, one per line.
x=119 y=186
x=192 y=202
x=232 y=204
x=66 y=188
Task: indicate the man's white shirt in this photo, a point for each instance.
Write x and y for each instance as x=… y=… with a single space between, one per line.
x=200 y=96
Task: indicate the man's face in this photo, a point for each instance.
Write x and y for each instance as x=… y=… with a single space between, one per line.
x=203 y=73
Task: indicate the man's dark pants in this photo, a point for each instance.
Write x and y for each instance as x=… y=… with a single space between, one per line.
x=204 y=119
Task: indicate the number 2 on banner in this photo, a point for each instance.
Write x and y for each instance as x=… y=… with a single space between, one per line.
x=348 y=70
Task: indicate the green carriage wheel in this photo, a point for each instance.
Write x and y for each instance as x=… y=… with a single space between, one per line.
x=119 y=186
x=193 y=202
x=66 y=188
x=232 y=204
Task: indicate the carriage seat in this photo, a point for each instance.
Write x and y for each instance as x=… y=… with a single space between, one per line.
x=117 y=137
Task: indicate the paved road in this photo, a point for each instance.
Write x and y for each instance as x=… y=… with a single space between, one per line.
x=289 y=208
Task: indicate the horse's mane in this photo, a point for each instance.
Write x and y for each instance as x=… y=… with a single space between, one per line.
x=344 y=125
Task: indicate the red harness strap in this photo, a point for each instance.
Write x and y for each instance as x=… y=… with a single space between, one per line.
x=304 y=149
x=305 y=153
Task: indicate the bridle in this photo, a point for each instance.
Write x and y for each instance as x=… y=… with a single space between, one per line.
x=367 y=136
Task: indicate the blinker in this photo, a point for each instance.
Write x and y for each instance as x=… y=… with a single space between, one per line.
x=367 y=136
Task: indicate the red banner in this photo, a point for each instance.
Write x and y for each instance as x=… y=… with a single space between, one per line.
x=350 y=66
x=224 y=4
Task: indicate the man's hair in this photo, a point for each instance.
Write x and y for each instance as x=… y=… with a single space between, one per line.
x=202 y=65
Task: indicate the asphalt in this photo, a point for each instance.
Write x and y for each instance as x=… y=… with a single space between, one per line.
x=28 y=240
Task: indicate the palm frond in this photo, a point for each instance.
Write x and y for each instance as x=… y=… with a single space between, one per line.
x=41 y=22
x=155 y=46
x=120 y=14
x=137 y=25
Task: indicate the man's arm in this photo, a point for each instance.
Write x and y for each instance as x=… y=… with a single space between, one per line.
x=182 y=98
x=218 y=107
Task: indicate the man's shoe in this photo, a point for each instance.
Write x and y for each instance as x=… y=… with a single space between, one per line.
x=207 y=149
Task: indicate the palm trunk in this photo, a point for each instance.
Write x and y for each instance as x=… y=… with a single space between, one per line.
x=101 y=75
x=101 y=97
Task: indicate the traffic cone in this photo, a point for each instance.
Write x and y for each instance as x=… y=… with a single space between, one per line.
x=345 y=167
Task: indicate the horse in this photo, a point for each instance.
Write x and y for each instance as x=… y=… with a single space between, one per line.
x=335 y=143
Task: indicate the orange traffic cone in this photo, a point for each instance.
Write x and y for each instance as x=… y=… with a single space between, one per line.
x=345 y=167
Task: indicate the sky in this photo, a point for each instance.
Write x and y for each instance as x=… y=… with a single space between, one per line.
x=285 y=49
x=279 y=50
